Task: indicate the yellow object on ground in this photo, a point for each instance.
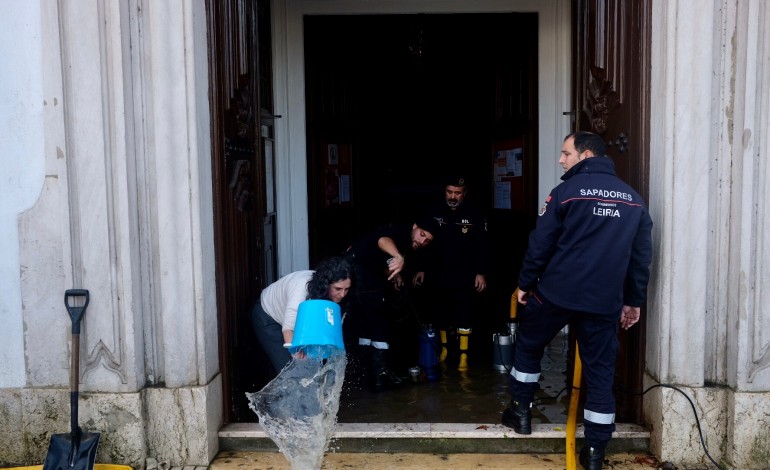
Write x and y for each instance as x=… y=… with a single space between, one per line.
x=464 y=334
x=98 y=466
x=574 y=397
x=444 y=350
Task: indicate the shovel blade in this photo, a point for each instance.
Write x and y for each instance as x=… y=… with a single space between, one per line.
x=68 y=452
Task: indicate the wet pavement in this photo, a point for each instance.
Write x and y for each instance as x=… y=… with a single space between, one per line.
x=410 y=461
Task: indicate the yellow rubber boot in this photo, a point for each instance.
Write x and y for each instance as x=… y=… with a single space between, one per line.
x=444 y=350
x=464 y=334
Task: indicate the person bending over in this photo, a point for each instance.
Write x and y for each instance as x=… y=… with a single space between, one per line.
x=274 y=315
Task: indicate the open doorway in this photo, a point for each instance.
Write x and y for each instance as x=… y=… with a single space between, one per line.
x=394 y=103
x=406 y=99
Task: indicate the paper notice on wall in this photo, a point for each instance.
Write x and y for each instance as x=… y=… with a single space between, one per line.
x=508 y=163
x=502 y=195
x=516 y=161
x=344 y=188
x=501 y=167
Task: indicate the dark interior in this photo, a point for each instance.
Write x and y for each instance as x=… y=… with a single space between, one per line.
x=405 y=100
x=411 y=98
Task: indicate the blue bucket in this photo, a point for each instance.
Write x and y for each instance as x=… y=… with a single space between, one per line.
x=319 y=323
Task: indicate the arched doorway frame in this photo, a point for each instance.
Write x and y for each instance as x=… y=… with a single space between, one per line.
x=554 y=70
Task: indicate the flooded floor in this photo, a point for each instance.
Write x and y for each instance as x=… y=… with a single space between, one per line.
x=478 y=395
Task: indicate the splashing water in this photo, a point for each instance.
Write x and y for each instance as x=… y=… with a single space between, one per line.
x=298 y=408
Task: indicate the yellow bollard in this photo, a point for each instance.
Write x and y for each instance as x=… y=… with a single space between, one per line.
x=574 y=397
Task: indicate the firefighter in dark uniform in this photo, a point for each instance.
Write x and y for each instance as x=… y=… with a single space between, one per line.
x=587 y=265
x=459 y=263
x=379 y=258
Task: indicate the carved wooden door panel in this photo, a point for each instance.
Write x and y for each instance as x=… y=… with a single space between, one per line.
x=612 y=57
x=241 y=104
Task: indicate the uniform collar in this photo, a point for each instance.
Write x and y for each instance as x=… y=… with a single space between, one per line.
x=590 y=165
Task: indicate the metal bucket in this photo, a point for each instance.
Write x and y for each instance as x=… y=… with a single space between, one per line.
x=502 y=352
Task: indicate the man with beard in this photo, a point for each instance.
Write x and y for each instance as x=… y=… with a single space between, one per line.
x=459 y=268
x=587 y=265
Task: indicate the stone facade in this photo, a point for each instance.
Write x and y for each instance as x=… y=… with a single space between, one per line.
x=709 y=331
x=115 y=90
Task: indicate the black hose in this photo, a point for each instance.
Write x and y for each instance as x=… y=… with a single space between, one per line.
x=692 y=406
x=694 y=412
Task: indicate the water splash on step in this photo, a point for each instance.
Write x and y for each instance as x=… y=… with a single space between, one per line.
x=298 y=409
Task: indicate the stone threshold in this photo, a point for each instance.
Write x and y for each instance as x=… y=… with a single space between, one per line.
x=436 y=431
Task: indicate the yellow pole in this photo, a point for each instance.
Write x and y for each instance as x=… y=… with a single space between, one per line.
x=574 y=397
x=514 y=303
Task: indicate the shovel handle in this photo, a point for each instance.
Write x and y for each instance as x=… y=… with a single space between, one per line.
x=76 y=312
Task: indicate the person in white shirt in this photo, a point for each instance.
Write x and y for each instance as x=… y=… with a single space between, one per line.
x=274 y=315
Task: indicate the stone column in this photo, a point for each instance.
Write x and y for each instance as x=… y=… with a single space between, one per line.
x=185 y=414
x=746 y=130
x=708 y=332
x=125 y=211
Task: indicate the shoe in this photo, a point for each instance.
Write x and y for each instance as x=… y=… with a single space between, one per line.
x=591 y=458
x=386 y=379
x=519 y=417
x=382 y=378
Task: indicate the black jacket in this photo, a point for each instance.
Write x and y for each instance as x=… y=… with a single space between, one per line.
x=592 y=246
x=371 y=262
x=461 y=249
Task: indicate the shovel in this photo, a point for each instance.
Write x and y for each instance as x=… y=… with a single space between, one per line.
x=76 y=450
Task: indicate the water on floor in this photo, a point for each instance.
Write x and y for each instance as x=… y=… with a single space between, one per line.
x=478 y=395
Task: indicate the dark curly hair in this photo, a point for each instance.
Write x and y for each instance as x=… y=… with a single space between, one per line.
x=329 y=271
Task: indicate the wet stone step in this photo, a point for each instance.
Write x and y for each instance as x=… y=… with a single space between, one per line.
x=437 y=438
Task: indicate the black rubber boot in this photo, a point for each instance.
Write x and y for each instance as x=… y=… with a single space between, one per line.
x=591 y=458
x=519 y=417
x=382 y=377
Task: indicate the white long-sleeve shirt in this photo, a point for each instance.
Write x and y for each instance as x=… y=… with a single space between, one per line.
x=281 y=299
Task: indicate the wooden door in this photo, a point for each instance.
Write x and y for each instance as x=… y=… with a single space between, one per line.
x=242 y=163
x=612 y=64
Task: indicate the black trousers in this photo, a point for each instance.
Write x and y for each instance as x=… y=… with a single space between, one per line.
x=597 y=337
